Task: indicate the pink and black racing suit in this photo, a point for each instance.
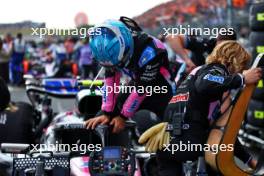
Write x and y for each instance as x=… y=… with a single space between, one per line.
x=151 y=82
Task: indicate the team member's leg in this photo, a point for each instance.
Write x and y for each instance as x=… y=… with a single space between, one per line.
x=85 y=70
x=6 y=72
x=2 y=71
x=94 y=69
x=187 y=147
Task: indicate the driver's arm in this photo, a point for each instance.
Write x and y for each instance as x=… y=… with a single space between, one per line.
x=216 y=81
x=112 y=78
x=176 y=42
x=147 y=78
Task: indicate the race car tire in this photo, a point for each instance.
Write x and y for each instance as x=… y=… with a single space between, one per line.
x=257 y=42
x=256 y=17
x=255 y=113
x=259 y=91
x=89 y=105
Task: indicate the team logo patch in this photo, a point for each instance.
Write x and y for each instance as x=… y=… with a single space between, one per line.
x=147 y=55
x=104 y=92
x=213 y=78
x=180 y=97
x=133 y=106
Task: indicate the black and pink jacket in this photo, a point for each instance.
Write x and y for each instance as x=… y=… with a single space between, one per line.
x=148 y=67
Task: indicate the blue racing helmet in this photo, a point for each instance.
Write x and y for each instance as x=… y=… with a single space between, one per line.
x=112 y=43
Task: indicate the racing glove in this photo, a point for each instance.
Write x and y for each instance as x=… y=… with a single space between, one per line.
x=155 y=137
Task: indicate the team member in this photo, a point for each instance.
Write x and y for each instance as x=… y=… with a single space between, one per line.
x=122 y=47
x=199 y=47
x=4 y=61
x=189 y=108
x=12 y=116
x=86 y=60
x=17 y=57
x=4 y=94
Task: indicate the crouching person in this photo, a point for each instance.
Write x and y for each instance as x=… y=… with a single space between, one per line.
x=16 y=119
x=189 y=109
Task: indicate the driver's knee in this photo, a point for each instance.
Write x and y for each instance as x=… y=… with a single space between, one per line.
x=145 y=119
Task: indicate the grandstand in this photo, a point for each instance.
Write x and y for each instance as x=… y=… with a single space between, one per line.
x=206 y=13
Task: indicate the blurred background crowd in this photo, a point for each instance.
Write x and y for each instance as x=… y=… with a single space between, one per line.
x=69 y=56
x=52 y=57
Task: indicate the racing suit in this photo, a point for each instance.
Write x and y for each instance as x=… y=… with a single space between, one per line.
x=148 y=68
x=189 y=110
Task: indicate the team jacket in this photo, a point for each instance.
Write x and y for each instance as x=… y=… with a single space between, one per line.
x=204 y=86
x=148 y=67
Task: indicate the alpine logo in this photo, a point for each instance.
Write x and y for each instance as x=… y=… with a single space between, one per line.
x=133 y=106
x=218 y=79
x=180 y=97
x=104 y=93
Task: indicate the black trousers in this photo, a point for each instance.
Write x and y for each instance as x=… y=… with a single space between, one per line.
x=171 y=164
x=87 y=69
x=4 y=71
